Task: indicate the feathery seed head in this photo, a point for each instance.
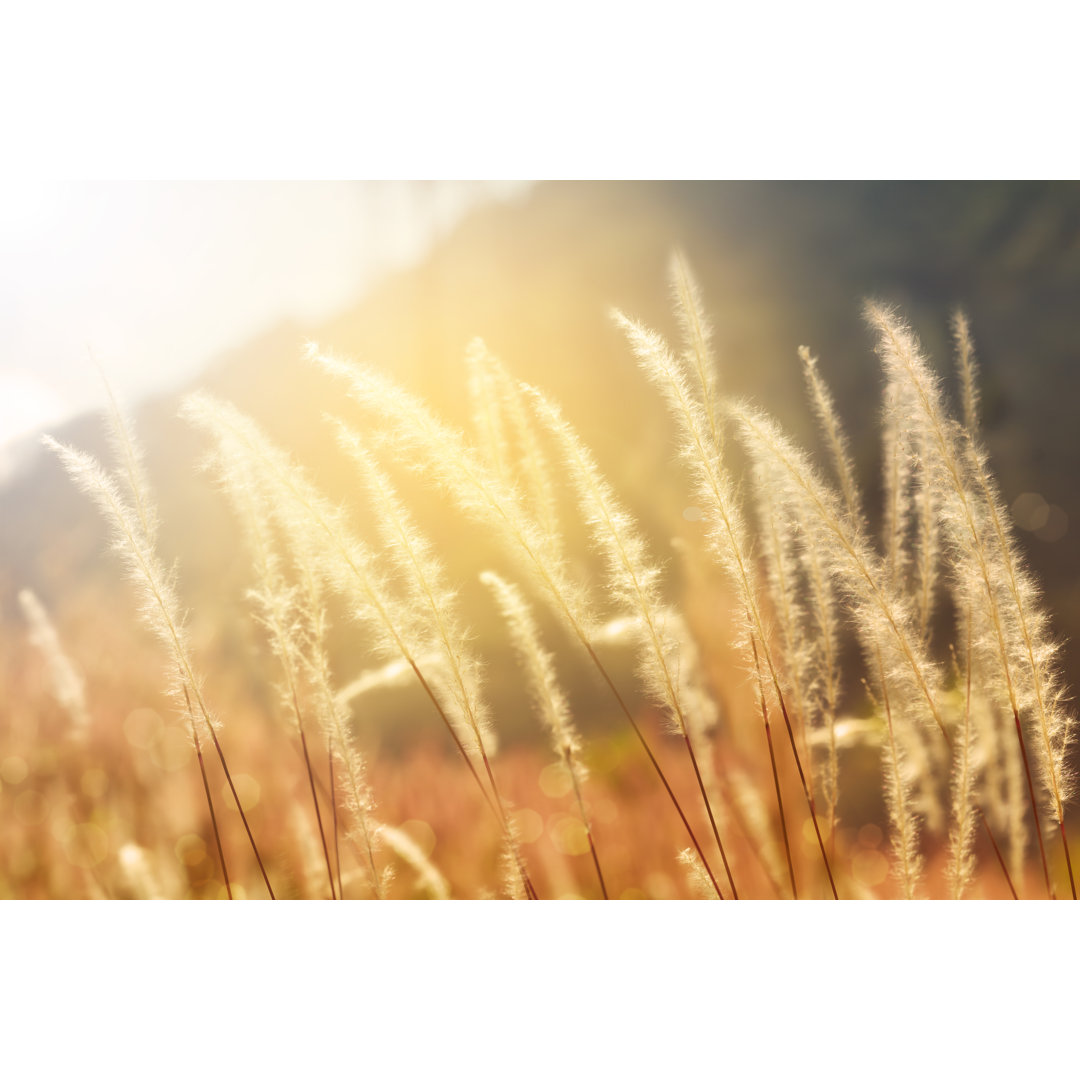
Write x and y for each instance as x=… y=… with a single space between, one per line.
x=432 y=602
x=697 y=357
x=159 y=603
x=633 y=579
x=428 y=877
x=967 y=369
x=67 y=685
x=316 y=530
x=539 y=666
x=824 y=407
x=442 y=453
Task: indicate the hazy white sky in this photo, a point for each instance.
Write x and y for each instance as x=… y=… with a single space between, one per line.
x=155 y=279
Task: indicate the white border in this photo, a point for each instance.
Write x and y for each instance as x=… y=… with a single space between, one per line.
x=560 y=89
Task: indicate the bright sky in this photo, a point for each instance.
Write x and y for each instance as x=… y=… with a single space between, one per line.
x=155 y=279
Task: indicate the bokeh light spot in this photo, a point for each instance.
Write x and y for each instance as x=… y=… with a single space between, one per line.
x=142 y=728
x=869 y=867
x=568 y=835
x=555 y=781
x=1030 y=511
x=201 y=873
x=845 y=840
x=171 y=750
x=132 y=858
x=809 y=836
x=190 y=849
x=14 y=770
x=1055 y=527
x=692 y=513
x=61 y=827
x=660 y=886
x=247 y=791
x=528 y=824
x=870 y=836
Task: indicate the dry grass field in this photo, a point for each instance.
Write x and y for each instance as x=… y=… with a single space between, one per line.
x=789 y=699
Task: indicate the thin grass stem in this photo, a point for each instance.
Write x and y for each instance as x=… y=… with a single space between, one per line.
x=240 y=808
x=318 y=812
x=209 y=799
x=901 y=814
x=1034 y=805
x=776 y=775
x=585 y=821
x=333 y=804
x=708 y=808
x=806 y=789
x=495 y=807
x=655 y=764
x=526 y=880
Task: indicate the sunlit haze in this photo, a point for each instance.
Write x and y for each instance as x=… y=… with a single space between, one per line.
x=152 y=280
x=521 y=551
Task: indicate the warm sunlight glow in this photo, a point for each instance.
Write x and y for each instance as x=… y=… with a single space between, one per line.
x=526 y=553
x=27 y=404
x=156 y=279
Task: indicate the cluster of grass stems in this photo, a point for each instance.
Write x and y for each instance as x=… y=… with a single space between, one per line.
x=973 y=732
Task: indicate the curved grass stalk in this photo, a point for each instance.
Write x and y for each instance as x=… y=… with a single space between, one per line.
x=275 y=609
x=965 y=366
x=428 y=876
x=836 y=441
x=67 y=685
x=332 y=715
x=423 y=573
x=318 y=529
x=775 y=775
x=987 y=559
x=546 y=693
x=499 y=411
x=898 y=799
x=961 y=859
x=882 y=617
x=443 y=454
x=160 y=606
x=697 y=335
x=782 y=571
x=727 y=531
x=634 y=581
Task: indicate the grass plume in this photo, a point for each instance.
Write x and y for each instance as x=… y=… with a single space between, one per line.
x=67 y=685
x=442 y=453
x=728 y=533
x=134 y=529
x=544 y=687
x=793 y=587
x=985 y=557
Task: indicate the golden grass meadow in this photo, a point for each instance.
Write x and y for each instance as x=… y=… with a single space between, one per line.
x=852 y=692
